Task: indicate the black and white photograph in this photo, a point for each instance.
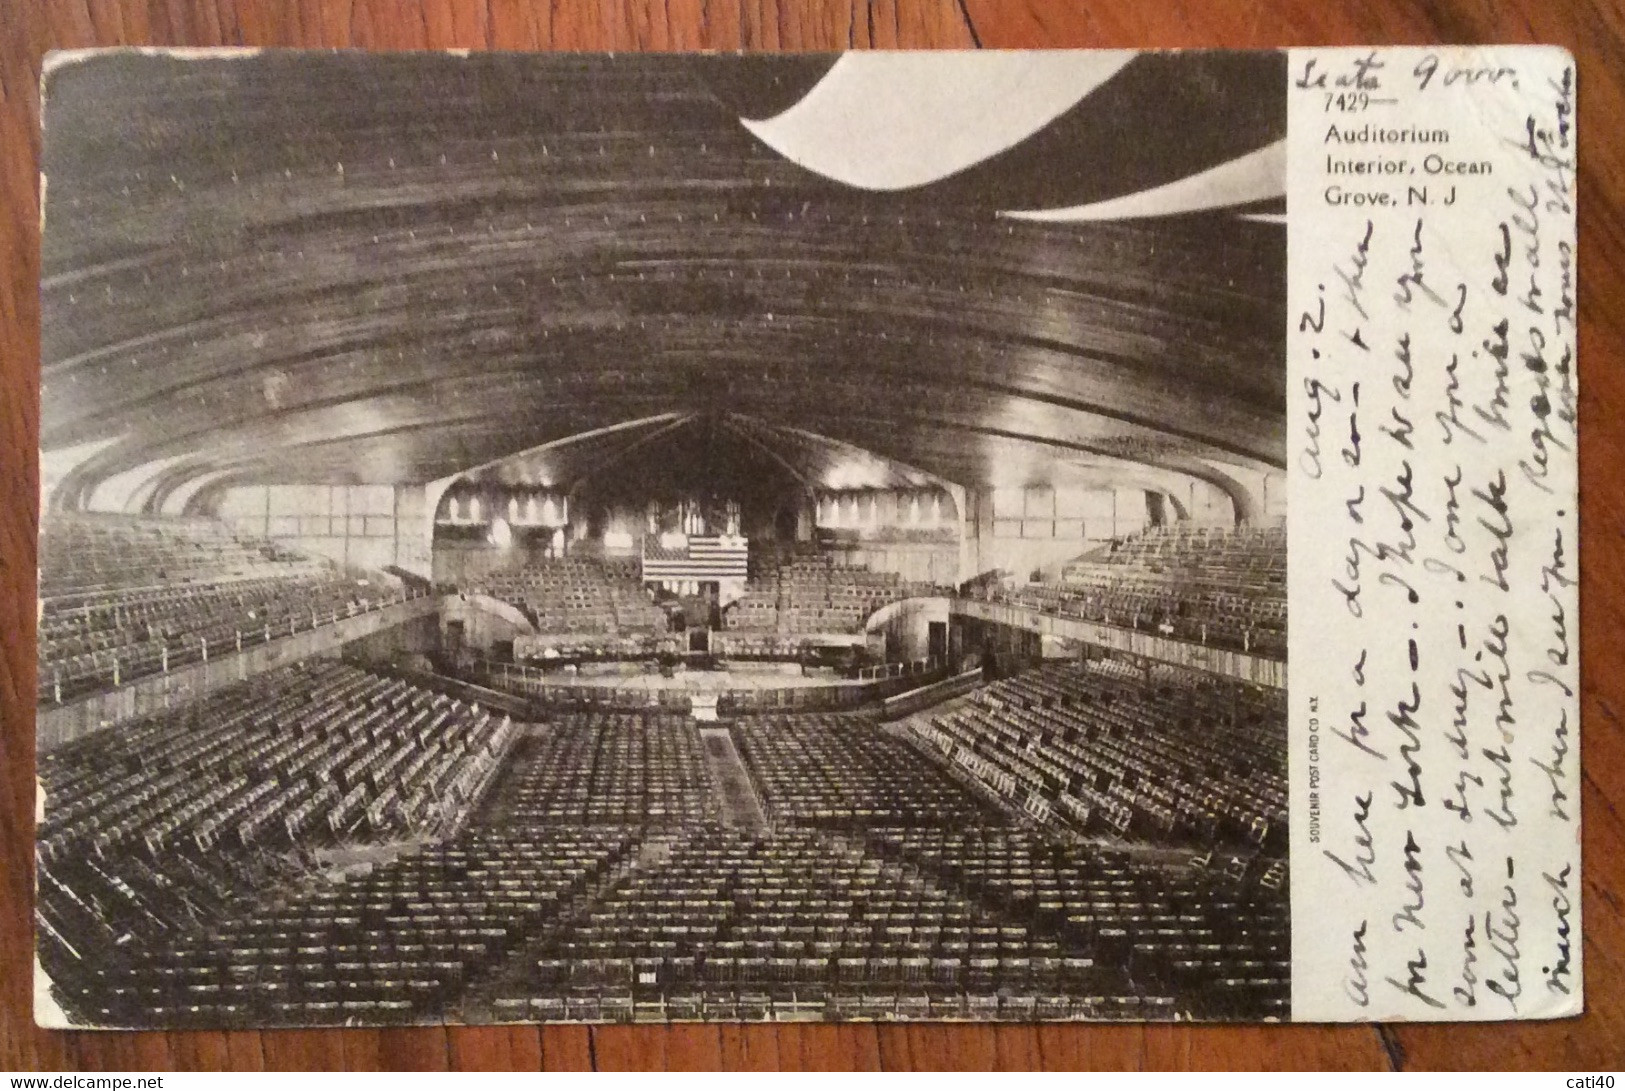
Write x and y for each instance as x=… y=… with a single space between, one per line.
x=655 y=538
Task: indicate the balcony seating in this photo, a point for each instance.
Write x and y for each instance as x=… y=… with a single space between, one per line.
x=120 y=637
x=124 y=598
x=83 y=554
x=1214 y=586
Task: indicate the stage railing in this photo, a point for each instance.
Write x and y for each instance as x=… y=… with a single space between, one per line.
x=930 y=694
x=544 y=690
x=1085 y=604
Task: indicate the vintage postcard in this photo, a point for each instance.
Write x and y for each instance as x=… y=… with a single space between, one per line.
x=881 y=536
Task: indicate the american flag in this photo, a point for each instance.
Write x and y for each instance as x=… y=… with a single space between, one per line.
x=698 y=558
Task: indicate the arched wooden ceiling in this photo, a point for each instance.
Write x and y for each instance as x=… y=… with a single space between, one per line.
x=363 y=268
x=675 y=455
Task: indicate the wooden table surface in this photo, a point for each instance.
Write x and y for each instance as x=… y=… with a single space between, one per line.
x=1593 y=29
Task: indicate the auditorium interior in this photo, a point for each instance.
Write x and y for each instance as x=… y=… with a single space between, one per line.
x=518 y=544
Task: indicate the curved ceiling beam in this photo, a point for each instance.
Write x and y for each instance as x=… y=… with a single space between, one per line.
x=773 y=456
x=272 y=392
x=860 y=452
x=172 y=496
x=411 y=431
x=239 y=335
x=1103 y=459
x=413 y=420
x=1190 y=468
x=625 y=451
x=488 y=251
x=511 y=386
x=57 y=466
x=128 y=491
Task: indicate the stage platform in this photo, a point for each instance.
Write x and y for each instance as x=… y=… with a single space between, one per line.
x=745 y=687
x=687 y=681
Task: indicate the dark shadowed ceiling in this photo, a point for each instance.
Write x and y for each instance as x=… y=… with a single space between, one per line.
x=348 y=268
x=679 y=455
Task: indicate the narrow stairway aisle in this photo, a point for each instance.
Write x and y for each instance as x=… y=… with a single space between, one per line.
x=741 y=808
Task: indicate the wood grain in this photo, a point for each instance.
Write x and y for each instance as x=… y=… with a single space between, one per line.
x=1595 y=31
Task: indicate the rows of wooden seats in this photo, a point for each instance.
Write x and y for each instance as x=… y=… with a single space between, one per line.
x=840 y=770
x=316 y=750
x=1218 y=586
x=596 y=883
x=635 y=611
x=394 y=945
x=70 y=627
x=800 y=919
x=791 y=925
x=1213 y=595
x=1101 y=749
x=82 y=554
x=1237 y=550
x=756 y=610
x=1217 y=939
x=724 y=1003
x=1227 y=578
x=1212 y=606
x=1207 y=751
x=578 y=595
x=616 y=768
x=119 y=637
x=90 y=907
x=812 y=595
x=845 y=595
x=1219 y=619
